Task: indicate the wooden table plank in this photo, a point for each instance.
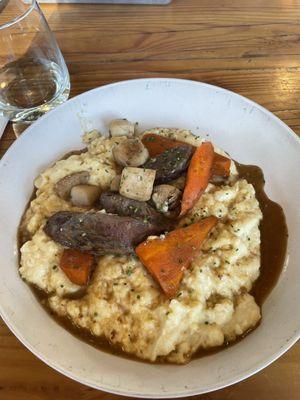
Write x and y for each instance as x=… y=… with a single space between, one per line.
x=251 y=47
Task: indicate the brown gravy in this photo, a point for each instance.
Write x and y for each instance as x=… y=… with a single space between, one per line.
x=274 y=235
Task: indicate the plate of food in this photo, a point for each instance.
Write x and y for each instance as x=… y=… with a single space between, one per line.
x=149 y=238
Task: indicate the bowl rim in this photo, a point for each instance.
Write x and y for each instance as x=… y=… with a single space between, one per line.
x=222 y=384
x=191 y=82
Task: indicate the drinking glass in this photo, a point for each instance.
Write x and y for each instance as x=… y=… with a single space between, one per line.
x=33 y=74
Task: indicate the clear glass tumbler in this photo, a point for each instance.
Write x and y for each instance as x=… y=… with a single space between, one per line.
x=33 y=74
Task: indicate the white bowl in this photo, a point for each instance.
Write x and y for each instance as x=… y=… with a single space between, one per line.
x=245 y=130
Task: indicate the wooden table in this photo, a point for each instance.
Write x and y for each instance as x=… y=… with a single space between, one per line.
x=251 y=47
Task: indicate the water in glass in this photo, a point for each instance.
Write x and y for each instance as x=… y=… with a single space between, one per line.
x=33 y=74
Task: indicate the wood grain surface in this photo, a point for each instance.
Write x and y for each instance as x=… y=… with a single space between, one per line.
x=251 y=47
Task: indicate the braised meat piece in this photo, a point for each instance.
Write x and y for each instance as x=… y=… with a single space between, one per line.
x=98 y=233
x=170 y=164
x=117 y=204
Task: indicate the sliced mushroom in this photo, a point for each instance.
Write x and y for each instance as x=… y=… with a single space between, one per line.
x=179 y=183
x=63 y=186
x=166 y=197
x=121 y=127
x=84 y=195
x=130 y=152
x=115 y=183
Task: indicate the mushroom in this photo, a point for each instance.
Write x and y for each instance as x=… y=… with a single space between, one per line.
x=115 y=183
x=121 y=127
x=179 y=183
x=63 y=186
x=84 y=195
x=130 y=152
x=166 y=197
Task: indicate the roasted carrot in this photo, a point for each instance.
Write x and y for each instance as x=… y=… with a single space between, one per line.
x=198 y=176
x=167 y=258
x=157 y=144
x=77 y=266
x=221 y=166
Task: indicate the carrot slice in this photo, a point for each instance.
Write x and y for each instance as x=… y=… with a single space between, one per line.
x=198 y=176
x=76 y=265
x=167 y=258
x=221 y=166
x=157 y=144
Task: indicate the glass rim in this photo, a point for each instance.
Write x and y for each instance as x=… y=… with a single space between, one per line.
x=19 y=18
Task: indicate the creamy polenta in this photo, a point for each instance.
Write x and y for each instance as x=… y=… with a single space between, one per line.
x=122 y=302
